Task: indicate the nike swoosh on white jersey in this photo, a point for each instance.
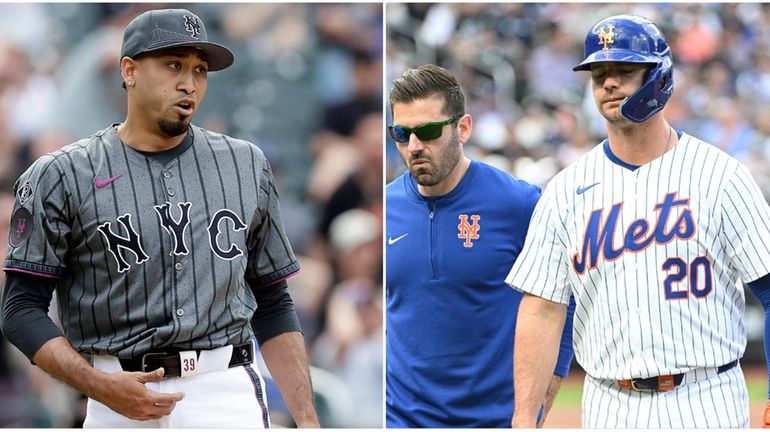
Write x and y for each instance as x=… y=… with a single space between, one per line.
x=392 y=240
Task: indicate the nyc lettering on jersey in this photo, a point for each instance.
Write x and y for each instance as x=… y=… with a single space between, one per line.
x=119 y=246
x=599 y=237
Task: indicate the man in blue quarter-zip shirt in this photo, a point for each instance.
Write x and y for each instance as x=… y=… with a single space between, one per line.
x=453 y=228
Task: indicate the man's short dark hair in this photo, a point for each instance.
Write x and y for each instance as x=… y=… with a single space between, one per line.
x=426 y=82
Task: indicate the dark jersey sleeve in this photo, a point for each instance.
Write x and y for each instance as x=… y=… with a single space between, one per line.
x=275 y=312
x=26 y=323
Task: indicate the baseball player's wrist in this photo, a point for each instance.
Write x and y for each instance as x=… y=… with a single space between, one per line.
x=58 y=358
x=92 y=383
x=525 y=414
x=525 y=420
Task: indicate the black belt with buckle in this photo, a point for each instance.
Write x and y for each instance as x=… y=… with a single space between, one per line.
x=171 y=362
x=664 y=382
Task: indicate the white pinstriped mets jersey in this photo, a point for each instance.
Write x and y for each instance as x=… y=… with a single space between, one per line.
x=654 y=256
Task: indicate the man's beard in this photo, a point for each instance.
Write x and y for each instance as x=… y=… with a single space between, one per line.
x=173 y=128
x=442 y=163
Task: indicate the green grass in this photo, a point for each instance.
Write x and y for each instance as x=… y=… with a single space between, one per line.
x=757 y=390
x=570 y=393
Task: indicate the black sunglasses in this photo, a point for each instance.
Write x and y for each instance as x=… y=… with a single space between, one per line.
x=423 y=132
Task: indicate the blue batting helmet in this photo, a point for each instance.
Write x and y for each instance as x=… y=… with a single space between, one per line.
x=633 y=39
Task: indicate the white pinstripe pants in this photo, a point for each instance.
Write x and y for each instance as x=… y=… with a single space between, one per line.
x=705 y=399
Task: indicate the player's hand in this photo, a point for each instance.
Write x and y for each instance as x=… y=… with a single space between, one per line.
x=126 y=394
x=766 y=417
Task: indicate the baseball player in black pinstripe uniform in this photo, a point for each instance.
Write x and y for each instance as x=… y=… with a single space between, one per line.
x=161 y=240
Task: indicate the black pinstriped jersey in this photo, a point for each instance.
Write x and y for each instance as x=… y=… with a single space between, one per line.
x=150 y=255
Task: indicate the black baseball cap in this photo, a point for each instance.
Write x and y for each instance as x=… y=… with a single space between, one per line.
x=166 y=28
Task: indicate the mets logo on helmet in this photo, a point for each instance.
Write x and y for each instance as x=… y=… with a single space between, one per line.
x=468 y=231
x=607 y=37
x=192 y=26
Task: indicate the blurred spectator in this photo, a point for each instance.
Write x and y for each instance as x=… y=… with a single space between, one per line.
x=351 y=345
x=90 y=93
x=363 y=186
x=728 y=129
x=366 y=98
x=14 y=157
x=351 y=342
x=355 y=241
x=550 y=67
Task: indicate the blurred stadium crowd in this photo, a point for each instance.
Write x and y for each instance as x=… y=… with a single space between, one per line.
x=306 y=87
x=533 y=115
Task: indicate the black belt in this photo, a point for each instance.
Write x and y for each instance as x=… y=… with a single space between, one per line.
x=171 y=362
x=664 y=382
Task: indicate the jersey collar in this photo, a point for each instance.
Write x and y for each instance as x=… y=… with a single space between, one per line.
x=411 y=185
x=617 y=161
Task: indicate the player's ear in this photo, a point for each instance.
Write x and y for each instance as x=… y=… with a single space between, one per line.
x=127 y=70
x=464 y=127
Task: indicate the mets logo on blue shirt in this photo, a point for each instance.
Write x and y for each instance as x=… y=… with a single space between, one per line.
x=468 y=231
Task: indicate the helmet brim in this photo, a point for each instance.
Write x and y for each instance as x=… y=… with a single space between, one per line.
x=616 y=56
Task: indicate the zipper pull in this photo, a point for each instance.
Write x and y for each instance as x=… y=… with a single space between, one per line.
x=431 y=209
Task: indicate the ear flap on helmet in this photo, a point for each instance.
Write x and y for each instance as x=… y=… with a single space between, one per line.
x=652 y=95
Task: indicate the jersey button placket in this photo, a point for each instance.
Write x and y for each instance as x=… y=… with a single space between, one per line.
x=178 y=267
x=168 y=183
x=170 y=186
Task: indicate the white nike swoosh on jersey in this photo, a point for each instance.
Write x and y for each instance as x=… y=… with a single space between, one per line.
x=392 y=240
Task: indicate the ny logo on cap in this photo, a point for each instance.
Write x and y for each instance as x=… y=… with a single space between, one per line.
x=192 y=25
x=607 y=37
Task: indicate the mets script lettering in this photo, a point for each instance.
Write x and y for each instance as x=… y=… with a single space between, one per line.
x=598 y=240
